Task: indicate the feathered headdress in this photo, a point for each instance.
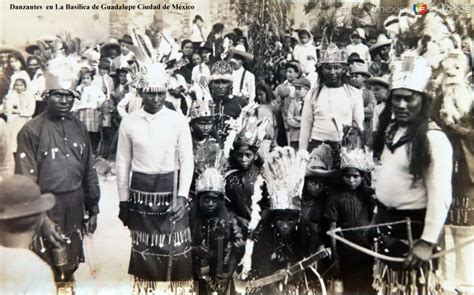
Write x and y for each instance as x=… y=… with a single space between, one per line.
x=426 y=53
x=200 y=109
x=354 y=153
x=63 y=62
x=150 y=75
x=284 y=173
x=246 y=129
x=212 y=179
x=332 y=54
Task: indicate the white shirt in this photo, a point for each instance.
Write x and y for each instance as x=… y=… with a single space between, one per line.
x=343 y=104
x=199 y=71
x=394 y=186
x=248 y=87
x=197 y=34
x=148 y=143
x=38 y=85
x=305 y=52
x=130 y=103
x=377 y=111
x=23 y=272
x=360 y=49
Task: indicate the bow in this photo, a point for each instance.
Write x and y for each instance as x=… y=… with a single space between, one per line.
x=333 y=234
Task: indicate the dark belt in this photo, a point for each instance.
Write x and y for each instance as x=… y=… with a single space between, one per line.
x=413 y=214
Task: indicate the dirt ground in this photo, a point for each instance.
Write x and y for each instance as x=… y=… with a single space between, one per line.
x=111 y=252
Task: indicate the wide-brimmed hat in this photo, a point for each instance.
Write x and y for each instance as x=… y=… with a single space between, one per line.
x=126 y=39
x=302 y=82
x=354 y=57
x=359 y=32
x=320 y=162
x=240 y=55
x=105 y=48
x=379 y=80
x=31 y=48
x=382 y=40
x=360 y=68
x=20 y=196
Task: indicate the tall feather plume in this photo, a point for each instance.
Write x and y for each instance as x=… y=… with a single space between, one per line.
x=145 y=52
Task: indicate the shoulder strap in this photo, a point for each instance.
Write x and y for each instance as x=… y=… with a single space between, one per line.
x=242 y=80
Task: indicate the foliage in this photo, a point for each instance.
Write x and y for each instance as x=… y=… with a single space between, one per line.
x=266 y=21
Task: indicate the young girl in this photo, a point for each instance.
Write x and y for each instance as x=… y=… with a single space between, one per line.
x=88 y=105
x=351 y=205
x=265 y=110
x=19 y=108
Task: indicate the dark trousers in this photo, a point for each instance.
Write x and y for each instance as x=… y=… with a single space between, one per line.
x=95 y=140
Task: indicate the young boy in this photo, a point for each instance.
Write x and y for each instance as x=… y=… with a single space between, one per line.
x=217 y=240
x=357 y=46
x=379 y=86
x=359 y=75
x=22 y=209
x=302 y=86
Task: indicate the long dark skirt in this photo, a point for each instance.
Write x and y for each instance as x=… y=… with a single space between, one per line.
x=68 y=214
x=155 y=240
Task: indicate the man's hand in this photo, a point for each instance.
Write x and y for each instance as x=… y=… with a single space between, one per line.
x=419 y=254
x=123 y=213
x=179 y=209
x=52 y=233
x=90 y=225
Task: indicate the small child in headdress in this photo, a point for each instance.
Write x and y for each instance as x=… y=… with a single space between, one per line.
x=217 y=239
x=351 y=204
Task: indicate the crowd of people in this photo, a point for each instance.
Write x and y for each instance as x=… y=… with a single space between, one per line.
x=232 y=181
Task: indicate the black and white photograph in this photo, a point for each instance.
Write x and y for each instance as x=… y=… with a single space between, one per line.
x=232 y=147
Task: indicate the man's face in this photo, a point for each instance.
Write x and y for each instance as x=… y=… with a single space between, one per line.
x=384 y=52
x=153 y=102
x=209 y=203
x=202 y=127
x=33 y=66
x=123 y=78
x=332 y=74
x=380 y=92
x=286 y=224
x=301 y=91
x=221 y=87
x=60 y=102
x=103 y=71
x=188 y=49
x=197 y=59
x=124 y=48
x=236 y=64
x=113 y=53
x=406 y=105
x=291 y=74
x=358 y=80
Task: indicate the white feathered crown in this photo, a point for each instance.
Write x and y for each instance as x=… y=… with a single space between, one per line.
x=284 y=173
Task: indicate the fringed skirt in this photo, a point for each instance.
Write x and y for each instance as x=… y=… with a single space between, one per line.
x=161 y=251
x=393 y=277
